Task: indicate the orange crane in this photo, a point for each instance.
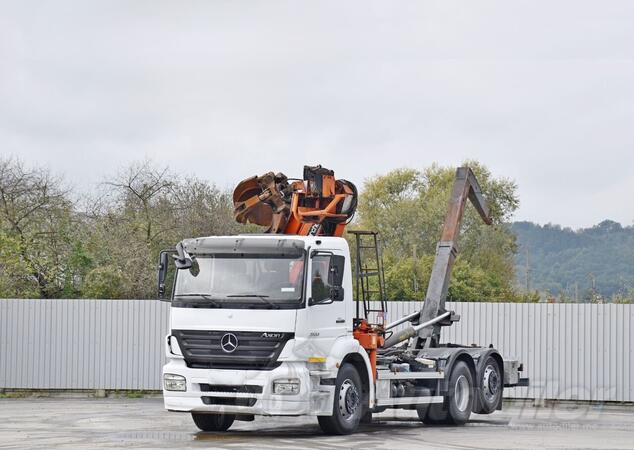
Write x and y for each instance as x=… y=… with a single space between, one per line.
x=318 y=205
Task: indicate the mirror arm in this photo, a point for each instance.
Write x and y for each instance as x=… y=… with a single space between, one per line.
x=182 y=259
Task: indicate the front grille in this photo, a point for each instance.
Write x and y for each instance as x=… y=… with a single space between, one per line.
x=255 y=350
x=232 y=401
x=242 y=389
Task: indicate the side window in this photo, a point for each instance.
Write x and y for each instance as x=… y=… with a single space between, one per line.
x=320 y=281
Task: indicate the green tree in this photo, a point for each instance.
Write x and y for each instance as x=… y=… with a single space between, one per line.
x=407 y=278
x=15 y=274
x=37 y=224
x=104 y=282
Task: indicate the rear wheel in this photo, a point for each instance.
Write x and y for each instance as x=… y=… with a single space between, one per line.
x=213 y=422
x=348 y=405
x=456 y=409
x=490 y=387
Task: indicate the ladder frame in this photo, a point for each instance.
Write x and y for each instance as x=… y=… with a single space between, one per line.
x=364 y=273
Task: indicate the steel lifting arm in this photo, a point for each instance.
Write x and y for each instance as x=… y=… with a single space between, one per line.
x=427 y=332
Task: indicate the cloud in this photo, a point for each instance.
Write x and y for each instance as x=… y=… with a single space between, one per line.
x=539 y=91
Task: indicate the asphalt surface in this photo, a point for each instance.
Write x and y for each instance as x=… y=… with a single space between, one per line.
x=142 y=423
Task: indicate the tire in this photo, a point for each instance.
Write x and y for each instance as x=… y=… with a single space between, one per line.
x=348 y=407
x=213 y=422
x=490 y=387
x=456 y=408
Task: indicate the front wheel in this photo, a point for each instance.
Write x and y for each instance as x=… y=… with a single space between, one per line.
x=213 y=422
x=348 y=403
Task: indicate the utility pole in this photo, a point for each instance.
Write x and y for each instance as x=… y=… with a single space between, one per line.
x=415 y=257
x=528 y=271
x=594 y=287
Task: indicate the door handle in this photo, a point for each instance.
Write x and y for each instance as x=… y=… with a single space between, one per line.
x=340 y=320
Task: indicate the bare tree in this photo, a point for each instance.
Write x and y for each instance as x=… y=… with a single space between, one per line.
x=49 y=247
x=36 y=214
x=203 y=210
x=142 y=191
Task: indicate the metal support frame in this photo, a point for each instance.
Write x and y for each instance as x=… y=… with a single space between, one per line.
x=427 y=323
x=465 y=187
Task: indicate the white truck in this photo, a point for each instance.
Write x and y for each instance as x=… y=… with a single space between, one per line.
x=267 y=325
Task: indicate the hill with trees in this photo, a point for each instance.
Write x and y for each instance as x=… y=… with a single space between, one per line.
x=590 y=264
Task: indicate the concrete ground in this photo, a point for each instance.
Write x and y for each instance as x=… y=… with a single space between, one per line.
x=142 y=423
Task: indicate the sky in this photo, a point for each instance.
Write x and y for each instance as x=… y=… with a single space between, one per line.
x=541 y=92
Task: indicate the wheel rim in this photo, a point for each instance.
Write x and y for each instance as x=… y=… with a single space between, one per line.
x=348 y=400
x=490 y=383
x=461 y=393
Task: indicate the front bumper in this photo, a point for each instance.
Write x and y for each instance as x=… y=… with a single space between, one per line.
x=313 y=398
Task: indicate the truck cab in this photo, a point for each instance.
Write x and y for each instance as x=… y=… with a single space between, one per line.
x=261 y=325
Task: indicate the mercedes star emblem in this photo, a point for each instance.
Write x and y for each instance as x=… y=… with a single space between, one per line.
x=229 y=342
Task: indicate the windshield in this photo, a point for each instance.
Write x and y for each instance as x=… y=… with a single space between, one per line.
x=252 y=280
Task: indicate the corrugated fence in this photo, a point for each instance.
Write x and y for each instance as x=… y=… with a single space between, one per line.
x=82 y=344
x=569 y=351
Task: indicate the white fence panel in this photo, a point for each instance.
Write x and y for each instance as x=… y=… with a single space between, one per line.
x=569 y=351
x=82 y=344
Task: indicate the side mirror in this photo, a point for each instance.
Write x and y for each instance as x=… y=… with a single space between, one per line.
x=336 y=271
x=162 y=273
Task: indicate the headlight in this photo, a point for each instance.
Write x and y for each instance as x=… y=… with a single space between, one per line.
x=173 y=382
x=286 y=387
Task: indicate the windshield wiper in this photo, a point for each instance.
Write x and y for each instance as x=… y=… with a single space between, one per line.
x=207 y=297
x=261 y=297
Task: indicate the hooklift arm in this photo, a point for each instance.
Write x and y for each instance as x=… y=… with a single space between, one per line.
x=433 y=315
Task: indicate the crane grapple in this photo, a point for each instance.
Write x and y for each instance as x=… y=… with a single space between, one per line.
x=318 y=204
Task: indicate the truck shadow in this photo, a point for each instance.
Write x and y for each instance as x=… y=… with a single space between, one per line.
x=309 y=431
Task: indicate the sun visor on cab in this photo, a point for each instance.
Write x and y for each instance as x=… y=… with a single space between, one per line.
x=244 y=246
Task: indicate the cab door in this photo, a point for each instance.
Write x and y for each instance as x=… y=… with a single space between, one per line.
x=323 y=320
